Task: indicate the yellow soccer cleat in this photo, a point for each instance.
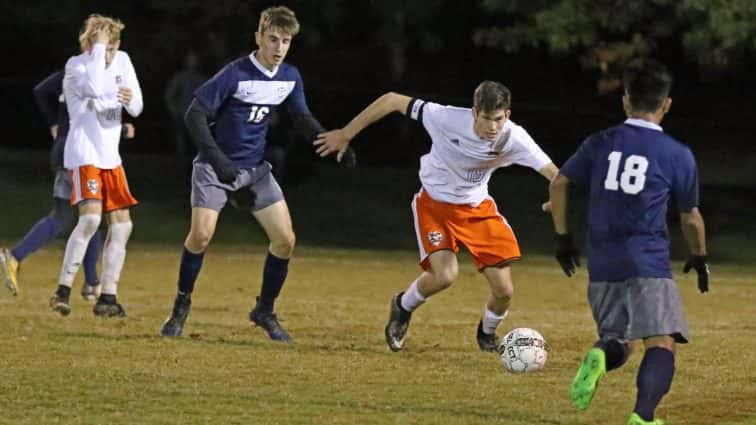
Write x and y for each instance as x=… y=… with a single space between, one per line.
x=637 y=420
x=9 y=268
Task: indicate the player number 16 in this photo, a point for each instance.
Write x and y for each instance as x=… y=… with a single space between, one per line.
x=633 y=177
x=258 y=113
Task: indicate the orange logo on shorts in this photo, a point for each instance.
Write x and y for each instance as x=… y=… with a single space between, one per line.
x=92 y=186
x=435 y=237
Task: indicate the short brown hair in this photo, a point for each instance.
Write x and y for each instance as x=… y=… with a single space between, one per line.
x=490 y=96
x=96 y=22
x=280 y=17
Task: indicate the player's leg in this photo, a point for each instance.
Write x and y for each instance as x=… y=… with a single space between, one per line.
x=90 y=213
x=657 y=318
x=610 y=309
x=92 y=288
x=117 y=200
x=496 y=310
x=203 y=224
x=276 y=222
x=113 y=258
x=443 y=269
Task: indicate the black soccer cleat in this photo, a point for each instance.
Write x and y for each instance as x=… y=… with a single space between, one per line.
x=174 y=325
x=60 y=303
x=487 y=342
x=269 y=323
x=398 y=323
x=107 y=306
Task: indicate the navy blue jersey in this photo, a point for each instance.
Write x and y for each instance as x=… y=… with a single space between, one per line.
x=631 y=171
x=48 y=95
x=240 y=98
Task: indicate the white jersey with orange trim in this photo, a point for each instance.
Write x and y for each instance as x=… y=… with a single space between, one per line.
x=459 y=164
x=91 y=92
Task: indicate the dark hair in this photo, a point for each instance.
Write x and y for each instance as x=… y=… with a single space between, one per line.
x=490 y=96
x=647 y=83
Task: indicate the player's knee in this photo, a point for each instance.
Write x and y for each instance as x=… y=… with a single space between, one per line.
x=445 y=278
x=88 y=223
x=198 y=240
x=284 y=247
x=64 y=215
x=502 y=293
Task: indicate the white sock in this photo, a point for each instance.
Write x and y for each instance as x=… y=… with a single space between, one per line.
x=114 y=255
x=491 y=321
x=412 y=298
x=76 y=247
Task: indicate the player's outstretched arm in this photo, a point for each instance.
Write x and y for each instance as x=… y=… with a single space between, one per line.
x=337 y=141
x=694 y=230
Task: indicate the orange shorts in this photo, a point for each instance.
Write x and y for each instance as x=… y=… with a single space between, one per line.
x=108 y=186
x=443 y=226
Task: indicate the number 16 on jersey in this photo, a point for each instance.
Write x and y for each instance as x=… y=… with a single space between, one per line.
x=258 y=114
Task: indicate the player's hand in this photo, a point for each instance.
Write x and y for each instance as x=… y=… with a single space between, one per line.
x=335 y=141
x=101 y=35
x=226 y=170
x=546 y=207
x=567 y=253
x=54 y=131
x=698 y=262
x=128 y=131
x=125 y=95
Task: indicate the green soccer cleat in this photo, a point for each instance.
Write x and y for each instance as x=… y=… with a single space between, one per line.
x=586 y=381
x=637 y=420
x=9 y=268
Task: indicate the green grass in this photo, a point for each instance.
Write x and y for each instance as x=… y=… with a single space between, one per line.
x=82 y=369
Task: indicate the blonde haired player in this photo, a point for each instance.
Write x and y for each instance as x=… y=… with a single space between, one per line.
x=98 y=84
x=453 y=206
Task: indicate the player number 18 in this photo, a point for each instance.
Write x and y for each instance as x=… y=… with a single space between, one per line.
x=633 y=177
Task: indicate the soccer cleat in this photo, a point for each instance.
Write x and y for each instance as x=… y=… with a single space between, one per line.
x=60 y=304
x=398 y=323
x=486 y=342
x=174 y=325
x=91 y=292
x=637 y=420
x=586 y=381
x=9 y=267
x=269 y=323
x=107 y=306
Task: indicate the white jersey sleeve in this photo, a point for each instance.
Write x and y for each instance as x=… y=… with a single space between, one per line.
x=525 y=151
x=134 y=108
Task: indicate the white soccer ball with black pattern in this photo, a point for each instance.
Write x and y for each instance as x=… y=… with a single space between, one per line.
x=523 y=350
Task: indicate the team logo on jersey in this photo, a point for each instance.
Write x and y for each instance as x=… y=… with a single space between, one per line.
x=435 y=237
x=455 y=141
x=93 y=186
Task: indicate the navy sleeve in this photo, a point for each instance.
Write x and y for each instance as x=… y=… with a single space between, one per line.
x=296 y=102
x=685 y=183
x=215 y=91
x=578 y=168
x=46 y=95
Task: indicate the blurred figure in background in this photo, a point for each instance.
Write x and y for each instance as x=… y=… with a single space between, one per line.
x=177 y=96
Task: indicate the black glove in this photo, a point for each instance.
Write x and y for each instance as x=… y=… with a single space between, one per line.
x=698 y=262
x=349 y=160
x=567 y=254
x=224 y=168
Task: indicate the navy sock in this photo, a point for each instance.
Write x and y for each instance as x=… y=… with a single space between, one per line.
x=189 y=270
x=274 y=275
x=38 y=236
x=90 y=259
x=616 y=352
x=654 y=380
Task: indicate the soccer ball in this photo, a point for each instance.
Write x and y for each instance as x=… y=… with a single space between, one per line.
x=523 y=350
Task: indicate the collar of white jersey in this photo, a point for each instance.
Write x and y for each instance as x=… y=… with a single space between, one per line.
x=258 y=65
x=643 y=123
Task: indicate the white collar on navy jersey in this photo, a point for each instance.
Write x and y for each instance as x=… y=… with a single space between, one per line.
x=643 y=123
x=258 y=65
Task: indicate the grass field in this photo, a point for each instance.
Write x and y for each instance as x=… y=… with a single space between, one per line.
x=82 y=369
